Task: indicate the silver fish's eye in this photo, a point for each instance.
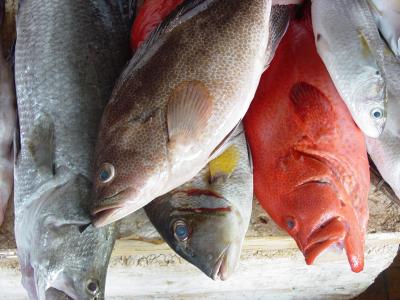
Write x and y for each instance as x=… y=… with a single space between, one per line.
x=92 y=287
x=181 y=231
x=377 y=113
x=107 y=173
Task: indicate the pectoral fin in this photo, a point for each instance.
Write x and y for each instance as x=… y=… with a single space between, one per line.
x=224 y=165
x=189 y=110
x=41 y=144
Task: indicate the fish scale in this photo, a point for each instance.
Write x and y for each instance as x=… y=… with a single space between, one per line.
x=68 y=55
x=222 y=68
x=348 y=42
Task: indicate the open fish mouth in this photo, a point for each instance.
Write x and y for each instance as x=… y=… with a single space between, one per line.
x=223 y=267
x=104 y=215
x=332 y=232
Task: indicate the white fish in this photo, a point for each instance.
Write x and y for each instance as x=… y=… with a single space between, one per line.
x=385 y=151
x=348 y=42
x=387 y=17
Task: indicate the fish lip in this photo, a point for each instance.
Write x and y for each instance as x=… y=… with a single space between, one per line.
x=316 y=245
x=102 y=216
x=219 y=271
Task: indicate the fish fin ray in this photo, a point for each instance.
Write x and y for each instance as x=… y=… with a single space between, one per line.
x=227 y=141
x=310 y=105
x=41 y=144
x=189 y=110
x=224 y=165
x=182 y=13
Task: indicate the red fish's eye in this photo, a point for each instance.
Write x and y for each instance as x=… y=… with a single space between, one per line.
x=290 y=223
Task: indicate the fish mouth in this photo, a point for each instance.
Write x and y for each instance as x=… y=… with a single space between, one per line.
x=105 y=215
x=331 y=232
x=224 y=267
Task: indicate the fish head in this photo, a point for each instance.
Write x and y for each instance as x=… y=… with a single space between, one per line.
x=129 y=171
x=369 y=105
x=202 y=227
x=317 y=217
x=57 y=256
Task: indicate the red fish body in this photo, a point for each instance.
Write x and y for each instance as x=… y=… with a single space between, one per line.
x=150 y=15
x=311 y=170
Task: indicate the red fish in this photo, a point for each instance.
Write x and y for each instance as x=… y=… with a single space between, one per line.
x=150 y=15
x=311 y=170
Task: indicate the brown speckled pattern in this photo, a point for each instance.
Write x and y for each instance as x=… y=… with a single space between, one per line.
x=224 y=48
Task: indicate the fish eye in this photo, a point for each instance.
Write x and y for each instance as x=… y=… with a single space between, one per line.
x=107 y=173
x=376 y=113
x=181 y=231
x=92 y=287
x=290 y=223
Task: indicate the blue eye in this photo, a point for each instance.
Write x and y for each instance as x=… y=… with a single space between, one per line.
x=291 y=223
x=377 y=113
x=107 y=172
x=181 y=231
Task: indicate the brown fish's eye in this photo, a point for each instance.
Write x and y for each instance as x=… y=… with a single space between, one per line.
x=92 y=287
x=181 y=231
x=107 y=173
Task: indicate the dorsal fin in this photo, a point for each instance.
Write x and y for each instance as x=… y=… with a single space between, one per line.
x=182 y=13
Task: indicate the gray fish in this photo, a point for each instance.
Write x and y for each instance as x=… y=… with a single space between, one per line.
x=385 y=150
x=7 y=127
x=349 y=44
x=181 y=95
x=205 y=220
x=68 y=55
x=387 y=17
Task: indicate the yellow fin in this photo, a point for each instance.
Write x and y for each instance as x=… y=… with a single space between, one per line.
x=366 y=51
x=225 y=164
x=189 y=109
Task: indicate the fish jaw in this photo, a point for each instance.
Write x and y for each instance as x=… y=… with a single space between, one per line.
x=227 y=263
x=116 y=207
x=322 y=238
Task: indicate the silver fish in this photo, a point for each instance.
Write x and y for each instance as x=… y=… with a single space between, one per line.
x=387 y=17
x=7 y=127
x=385 y=151
x=205 y=220
x=180 y=96
x=348 y=42
x=67 y=57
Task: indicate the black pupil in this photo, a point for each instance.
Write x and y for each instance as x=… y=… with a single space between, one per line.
x=290 y=224
x=377 y=114
x=104 y=175
x=92 y=286
x=181 y=231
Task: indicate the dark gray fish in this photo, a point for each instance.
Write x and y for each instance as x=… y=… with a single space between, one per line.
x=67 y=57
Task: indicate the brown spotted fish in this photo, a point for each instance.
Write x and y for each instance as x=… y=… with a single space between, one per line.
x=181 y=95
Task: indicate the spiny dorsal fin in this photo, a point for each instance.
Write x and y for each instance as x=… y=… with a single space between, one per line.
x=185 y=11
x=189 y=109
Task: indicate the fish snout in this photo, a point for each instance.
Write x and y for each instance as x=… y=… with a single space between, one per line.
x=226 y=264
x=331 y=232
